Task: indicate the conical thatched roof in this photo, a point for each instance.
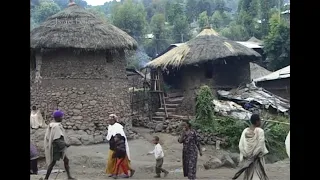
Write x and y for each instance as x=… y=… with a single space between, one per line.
x=207 y=46
x=255 y=40
x=83 y=31
x=257 y=71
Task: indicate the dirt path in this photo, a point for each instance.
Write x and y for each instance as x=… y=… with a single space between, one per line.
x=88 y=162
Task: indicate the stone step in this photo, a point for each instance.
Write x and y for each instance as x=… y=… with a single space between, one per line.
x=168 y=109
x=158 y=118
x=162 y=114
x=175 y=116
x=172 y=105
x=174 y=94
x=174 y=100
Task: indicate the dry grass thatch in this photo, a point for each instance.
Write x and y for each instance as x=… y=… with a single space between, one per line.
x=257 y=71
x=207 y=46
x=75 y=27
x=255 y=40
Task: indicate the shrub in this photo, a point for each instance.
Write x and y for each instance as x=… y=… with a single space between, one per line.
x=204 y=107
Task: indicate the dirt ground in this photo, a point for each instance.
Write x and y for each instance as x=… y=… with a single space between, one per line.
x=88 y=162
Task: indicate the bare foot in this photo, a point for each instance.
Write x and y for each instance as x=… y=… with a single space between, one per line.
x=166 y=174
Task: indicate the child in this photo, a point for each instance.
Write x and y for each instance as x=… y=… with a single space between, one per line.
x=33 y=159
x=120 y=154
x=158 y=153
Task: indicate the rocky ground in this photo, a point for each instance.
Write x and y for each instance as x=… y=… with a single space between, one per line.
x=88 y=162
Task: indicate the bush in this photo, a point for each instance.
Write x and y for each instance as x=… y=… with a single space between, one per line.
x=204 y=107
x=275 y=133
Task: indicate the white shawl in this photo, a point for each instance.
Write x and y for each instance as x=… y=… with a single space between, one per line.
x=36 y=120
x=117 y=128
x=287 y=142
x=252 y=143
x=54 y=131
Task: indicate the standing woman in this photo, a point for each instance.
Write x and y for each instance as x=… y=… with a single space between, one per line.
x=113 y=129
x=191 y=147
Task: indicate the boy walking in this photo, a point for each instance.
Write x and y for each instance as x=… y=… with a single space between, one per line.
x=159 y=155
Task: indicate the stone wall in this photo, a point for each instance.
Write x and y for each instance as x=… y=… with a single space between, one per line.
x=87 y=86
x=224 y=76
x=172 y=126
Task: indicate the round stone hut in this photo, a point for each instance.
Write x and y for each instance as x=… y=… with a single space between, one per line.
x=78 y=65
x=208 y=59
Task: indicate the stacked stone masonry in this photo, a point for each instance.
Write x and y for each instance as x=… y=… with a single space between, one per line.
x=87 y=86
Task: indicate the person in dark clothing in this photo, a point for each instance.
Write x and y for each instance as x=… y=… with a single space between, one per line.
x=56 y=145
x=120 y=155
x=33 y=159
x=191 y=147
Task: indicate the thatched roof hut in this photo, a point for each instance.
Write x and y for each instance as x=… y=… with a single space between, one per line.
x=255 y=40
x=80 y=64
x=77 y=28
x=257 y=71
x=207 y=46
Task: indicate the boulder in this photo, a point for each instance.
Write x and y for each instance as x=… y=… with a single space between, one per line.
x=87 y=139
x=235 y=157
x=227 y=161
x=98 y=139
x=74 y=141
x=212 y=163
x=159 y=127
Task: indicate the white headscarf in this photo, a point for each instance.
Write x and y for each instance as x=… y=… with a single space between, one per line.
x=117 y=128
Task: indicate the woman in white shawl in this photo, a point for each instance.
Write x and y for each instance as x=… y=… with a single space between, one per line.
x=252 y=151
x=287 y=142
x=36 y=120
x=113 y=129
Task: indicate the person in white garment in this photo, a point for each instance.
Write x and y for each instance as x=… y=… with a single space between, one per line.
x=287 y=142
x=36 y=119
x=113 y=129
x=252 y=151
x=159 y=155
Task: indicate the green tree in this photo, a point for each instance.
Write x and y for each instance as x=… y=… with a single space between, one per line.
x=220 y=19
x=130 y=17
x=248 y=15
x=203 y=19
x=219 y=5
x=180 y=29
x=173 y=9
x=44 y=10
x=191 y=10
x=99 y=12
x=235 y=32
x=160 y=32
x=204 y=5
x=277 y=43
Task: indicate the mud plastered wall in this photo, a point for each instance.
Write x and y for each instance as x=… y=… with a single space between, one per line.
x=224 y=77
x=86 y=86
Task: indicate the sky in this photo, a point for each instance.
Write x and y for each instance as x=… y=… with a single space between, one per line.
x=96 y=2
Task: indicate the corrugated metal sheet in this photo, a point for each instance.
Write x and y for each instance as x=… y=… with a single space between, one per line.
x=250 y=45
x=251 y=93
x=280 y=74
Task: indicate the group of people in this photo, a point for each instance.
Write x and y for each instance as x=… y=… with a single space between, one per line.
x=252 y=150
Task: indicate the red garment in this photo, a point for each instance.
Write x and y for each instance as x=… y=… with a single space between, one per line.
x=121 y=164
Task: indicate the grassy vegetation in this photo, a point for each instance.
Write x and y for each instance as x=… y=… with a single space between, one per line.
x=275 y=133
